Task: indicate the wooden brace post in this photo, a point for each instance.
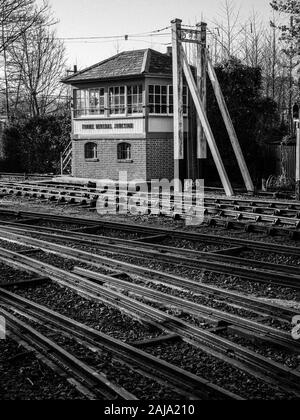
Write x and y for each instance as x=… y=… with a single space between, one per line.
x=230 y=128
x=206 y=126
x=178 y=100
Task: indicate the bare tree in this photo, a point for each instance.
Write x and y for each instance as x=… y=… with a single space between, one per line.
x=229 y=29
x=16 y=17
x=252 y=41
x=37 y=66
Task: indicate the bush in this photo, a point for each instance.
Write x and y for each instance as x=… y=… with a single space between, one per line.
x=35 y=145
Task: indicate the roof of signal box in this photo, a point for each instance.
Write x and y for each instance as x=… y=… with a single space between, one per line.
x=125 y=65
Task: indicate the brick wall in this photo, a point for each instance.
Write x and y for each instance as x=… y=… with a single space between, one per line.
x=151 y=159
x=108 y=166
x=160 y=158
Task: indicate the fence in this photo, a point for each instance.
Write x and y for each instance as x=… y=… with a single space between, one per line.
x=281 y=158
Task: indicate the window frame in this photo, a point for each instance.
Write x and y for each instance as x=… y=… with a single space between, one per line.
x=139 y=104
x=125 y=146
x=111 y=114
x=95 y=152
x=106 y=107
x=83 y=97
x=99 y=98
x=169 y=104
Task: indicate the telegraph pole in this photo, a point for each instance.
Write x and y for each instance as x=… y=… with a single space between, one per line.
x=296 y=112
x=202 y=88
x=5 y=69
x=178 y=100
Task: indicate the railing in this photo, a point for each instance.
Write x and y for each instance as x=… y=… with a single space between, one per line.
x=88 y=111
x=113 y=110
x=66 y=160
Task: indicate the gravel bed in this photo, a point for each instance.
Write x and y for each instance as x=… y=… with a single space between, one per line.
x=10 y=275
x=199 y=322
x=240 y=234
x=208 y=301
x=271 y=258
x=98 y=316
x=22 y=204
x=56 y=225
x=194 y=246
x=118 y=373
x=112 y=233
x=221 y=280
x=24 y=377
x=220 y=373
x=290 y=360
x=10 y=246
x=6 y=218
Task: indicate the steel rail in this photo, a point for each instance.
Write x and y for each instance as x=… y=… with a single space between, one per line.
x=263 y=332
x=247 y=359
x=196 y=287
x=184 y=382
x=149 y=230
x=168 y=280
x=83 y=197
x=96 y=382
x=145 y=243
x=219 y=200
x=286 y=280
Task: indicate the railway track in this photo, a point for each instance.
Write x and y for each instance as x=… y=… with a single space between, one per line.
x=118 y=267
x=8 y=176
x=92 y=384
x=184 y=383
x=247 y=269
x=222 y=348
x=254 y=215
x=137 y=289
x=149 y=234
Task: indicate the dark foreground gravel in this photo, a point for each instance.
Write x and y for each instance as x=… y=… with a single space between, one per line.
x=117 y=372
x=122 y=327
x=100 y=317
x=24 y=377
x=218 y=372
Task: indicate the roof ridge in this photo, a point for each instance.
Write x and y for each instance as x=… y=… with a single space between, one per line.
x=126 y=63
x=95 y=65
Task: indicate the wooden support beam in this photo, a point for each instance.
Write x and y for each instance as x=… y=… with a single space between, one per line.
x=206 y=126
x=178 y=100
x=202 y=87
x=298 y=161
x=230 y=128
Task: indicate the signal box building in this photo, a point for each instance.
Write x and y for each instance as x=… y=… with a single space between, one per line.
x=123 y=117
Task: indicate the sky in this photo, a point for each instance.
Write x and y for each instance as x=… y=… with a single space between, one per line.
x=106 y=18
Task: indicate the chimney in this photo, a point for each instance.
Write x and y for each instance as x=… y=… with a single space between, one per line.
x=75 y=69
x=169 y=51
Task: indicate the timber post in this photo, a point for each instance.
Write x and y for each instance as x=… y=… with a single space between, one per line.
x=178 y=100
x=202 y=87
x=298 y=160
